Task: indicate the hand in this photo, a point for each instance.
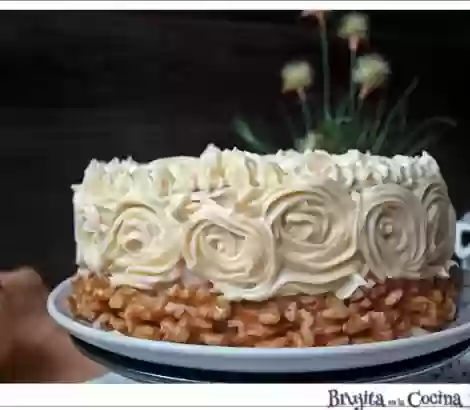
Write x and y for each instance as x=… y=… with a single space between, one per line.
x=6 y=337
x=32 y=347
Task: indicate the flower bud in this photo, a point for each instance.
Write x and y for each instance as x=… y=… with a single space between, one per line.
x=354 y=26
x=296 y=76
x=371 y=72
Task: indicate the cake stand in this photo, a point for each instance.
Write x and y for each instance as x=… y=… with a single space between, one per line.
x=146 y=372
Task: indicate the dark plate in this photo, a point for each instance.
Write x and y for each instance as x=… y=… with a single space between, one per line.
x=157 y=373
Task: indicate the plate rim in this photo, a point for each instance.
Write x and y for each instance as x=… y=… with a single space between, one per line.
x=163 y=347
x=153 y=378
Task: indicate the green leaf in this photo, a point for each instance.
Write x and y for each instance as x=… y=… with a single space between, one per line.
x=343 y=109
x=336 y=135
x=382 y=137
x=378 y=119
x=403 y=118
x=431 y=138
x=290 y=124
x=244 y=131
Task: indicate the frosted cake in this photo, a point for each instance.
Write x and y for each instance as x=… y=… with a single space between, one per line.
x=285 y=250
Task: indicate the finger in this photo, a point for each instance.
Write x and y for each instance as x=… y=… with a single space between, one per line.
x=6 y=326
x=24 y=291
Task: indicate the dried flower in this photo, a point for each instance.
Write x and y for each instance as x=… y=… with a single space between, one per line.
x=371 y=72
x=296 y=76
x=320 y=15
x=343 y=123
x=354 y=27
x=309 y=142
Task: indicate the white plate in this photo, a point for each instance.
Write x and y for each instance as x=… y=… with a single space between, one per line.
x=258 y=359
x=156 y=373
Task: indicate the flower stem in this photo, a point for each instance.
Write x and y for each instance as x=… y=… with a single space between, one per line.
x=326 y=70
x=305 y=111
x=362 y=139
x=352 y=91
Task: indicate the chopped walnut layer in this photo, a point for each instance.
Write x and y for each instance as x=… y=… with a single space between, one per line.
x=195 y=315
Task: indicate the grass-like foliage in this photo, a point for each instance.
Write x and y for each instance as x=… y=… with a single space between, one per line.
x=353 y=121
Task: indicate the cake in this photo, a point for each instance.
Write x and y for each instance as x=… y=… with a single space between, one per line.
x=293 y=249
x=324 y=245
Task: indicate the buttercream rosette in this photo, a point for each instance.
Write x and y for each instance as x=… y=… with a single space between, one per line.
x=441 y=221
x=237 y=254
x=393 y=239
x=315 y=227
x=143 y=242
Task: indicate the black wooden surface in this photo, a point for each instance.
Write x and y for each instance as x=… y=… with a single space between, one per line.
x=79 y=85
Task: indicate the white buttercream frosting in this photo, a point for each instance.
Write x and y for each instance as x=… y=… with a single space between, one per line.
x=441 y=218
x=258 y=226
x=143 y=240
x=234 y=252
x=393 y=229
x=316 y=231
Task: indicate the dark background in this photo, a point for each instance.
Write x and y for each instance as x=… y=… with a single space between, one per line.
x=79 y=85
